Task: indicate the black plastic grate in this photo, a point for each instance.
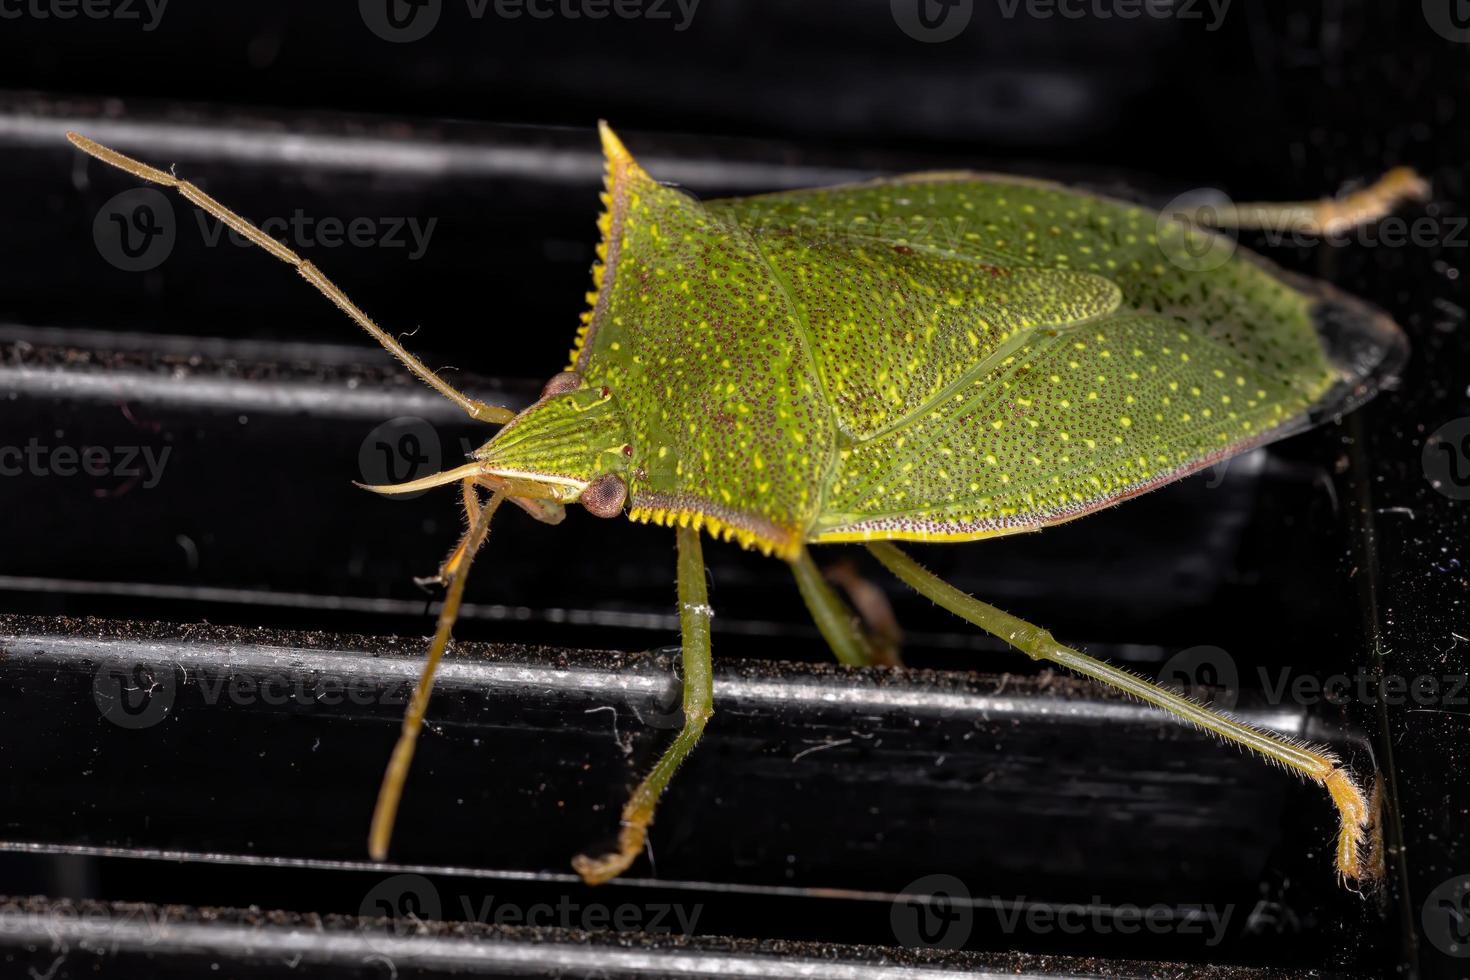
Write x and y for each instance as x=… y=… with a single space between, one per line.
x=822 y=796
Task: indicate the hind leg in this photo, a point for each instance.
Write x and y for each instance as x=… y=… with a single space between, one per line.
x=1357 y=817
x=834 y=619
x=1329 y=216
x=874 y=610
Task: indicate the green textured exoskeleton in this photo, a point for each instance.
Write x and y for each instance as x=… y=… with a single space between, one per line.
x=938 y=357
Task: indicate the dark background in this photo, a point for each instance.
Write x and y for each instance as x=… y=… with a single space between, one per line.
x=1332 y=553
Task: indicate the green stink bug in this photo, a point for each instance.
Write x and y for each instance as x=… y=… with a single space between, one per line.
x=937 y=357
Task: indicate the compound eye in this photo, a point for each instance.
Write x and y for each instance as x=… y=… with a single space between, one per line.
x=605 y=496
x=562 y=383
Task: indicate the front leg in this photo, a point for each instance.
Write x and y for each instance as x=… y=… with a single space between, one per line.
x=694 y=617
x=454 y=575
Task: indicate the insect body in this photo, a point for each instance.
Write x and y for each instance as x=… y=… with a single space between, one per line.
x=940 y=357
